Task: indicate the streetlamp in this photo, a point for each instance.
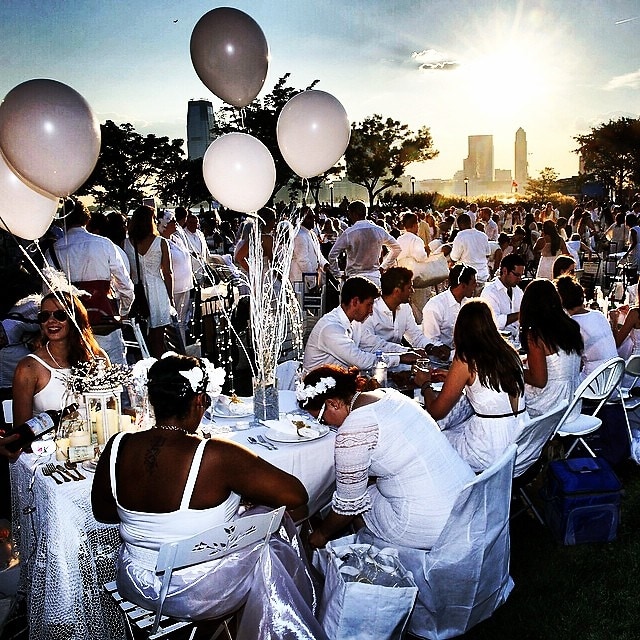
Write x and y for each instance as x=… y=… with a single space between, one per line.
x=413 y=186
x=466 y=187
x=331 y=193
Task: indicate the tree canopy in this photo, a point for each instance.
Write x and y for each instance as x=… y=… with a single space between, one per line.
x=379 y=151
x=611 y=153
x=543 y=186
x=130 y=164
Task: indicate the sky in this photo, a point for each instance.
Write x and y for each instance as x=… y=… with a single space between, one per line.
x=556 y=68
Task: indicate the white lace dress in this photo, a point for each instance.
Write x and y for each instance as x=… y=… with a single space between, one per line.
x=563 y=377
x=418 y=475
x=483 y=437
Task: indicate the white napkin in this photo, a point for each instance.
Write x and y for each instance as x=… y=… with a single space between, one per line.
x=224 y=405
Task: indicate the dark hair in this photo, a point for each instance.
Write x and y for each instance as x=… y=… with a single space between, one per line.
x=142 y=224
x=549 y=228
x=358 y=209
x=180 y=213
x=170 y=393
x=358 y=287
x=82 y=344
x=543 y=318
x=561 y=265
x=395 y=277
x=512 y=260
x=463 y=221
x=348 y=381
x=503 y=237
x=570 y=291
x=75 y=212
x=479 y=344
x=409 y=220
x=461 y=274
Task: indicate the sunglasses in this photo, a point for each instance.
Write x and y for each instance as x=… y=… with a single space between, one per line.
x=58 y=314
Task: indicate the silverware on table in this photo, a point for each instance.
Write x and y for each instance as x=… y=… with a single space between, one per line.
x=46 y=471
x=73 y=468
x=267 y=442
x=262 y=444
x=63 y=472
x=51 y=470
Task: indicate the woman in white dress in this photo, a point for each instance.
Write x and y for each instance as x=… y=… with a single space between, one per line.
x=554 y=346
x=155 y=272
x=387 y=438
x=486 y=373
x=548 y=247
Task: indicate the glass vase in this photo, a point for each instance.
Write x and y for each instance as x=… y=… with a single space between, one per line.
x=265 y=400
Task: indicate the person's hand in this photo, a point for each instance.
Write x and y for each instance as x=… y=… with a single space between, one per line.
x=409 y=357
x=317 y=539
x=12 y=456
x=422 y=377
x=422 y=353
x=442 y=352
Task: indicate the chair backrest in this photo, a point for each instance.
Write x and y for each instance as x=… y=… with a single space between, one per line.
x=286 y=375
x=534 y=435
x=597 y=386
x=7 y=411
x=632 y=368
x=213 y=544
x=466 y=573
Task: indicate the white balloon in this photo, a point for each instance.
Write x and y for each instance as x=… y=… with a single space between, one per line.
x=49 y=135
x=23 y=211
x=239 y=172
x=313 y=132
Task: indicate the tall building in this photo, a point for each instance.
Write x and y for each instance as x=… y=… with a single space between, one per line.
x=521 y=172
x=478 y=166
x=199 y=124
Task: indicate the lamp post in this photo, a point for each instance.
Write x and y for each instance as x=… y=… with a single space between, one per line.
x=331 y=194
x=466 y=187
x=413 y=186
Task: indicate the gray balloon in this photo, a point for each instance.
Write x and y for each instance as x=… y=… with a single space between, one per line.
x=230 y=55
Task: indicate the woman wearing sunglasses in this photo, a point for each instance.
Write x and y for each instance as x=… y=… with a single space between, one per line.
x=39 y=382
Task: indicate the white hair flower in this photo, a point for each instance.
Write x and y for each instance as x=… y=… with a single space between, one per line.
x=305 y=393
x=194 y=376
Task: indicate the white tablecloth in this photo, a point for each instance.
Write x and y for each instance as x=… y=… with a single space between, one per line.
x=66 y=556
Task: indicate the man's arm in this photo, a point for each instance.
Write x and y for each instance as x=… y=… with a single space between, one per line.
x=339 y=246
x=394 y=251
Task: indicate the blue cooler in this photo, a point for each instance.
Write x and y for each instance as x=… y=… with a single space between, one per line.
x=582 y=500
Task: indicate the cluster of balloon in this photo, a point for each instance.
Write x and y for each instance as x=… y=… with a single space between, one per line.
x=313 y=132
x=50 y=141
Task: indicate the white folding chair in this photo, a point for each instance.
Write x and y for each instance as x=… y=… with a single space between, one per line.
x=210 y=545
x=597 y=388
x=7 y=411
x=629 y=402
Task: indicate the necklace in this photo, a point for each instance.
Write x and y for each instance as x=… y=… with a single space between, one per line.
x=172 y=427
x=46 y=346
x=353 y=400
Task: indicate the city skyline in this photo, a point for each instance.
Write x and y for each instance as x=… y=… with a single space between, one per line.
x=553 y=67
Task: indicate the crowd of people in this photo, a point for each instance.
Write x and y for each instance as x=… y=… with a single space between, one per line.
x=501 y=353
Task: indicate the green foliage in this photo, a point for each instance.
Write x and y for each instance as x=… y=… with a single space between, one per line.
x=260 y=119
x=541 y=188
x=129 y=164
x=611 y=153
x=182 y=183
x=379 y=151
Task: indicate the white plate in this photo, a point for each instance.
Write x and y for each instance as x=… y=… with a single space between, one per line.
x=89 y=465
x=242 y=411
x=282 y=436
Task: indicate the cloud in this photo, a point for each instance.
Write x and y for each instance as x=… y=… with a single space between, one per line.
x=432 y=60
x=628 y=80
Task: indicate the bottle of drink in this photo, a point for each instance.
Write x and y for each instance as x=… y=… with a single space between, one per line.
x=380 y=369
x=37 y=426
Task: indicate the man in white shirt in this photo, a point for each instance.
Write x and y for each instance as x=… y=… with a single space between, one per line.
x=392 y=318
x=440 y=313
x=307 y=256
x=197 y=245
x=490 y=226
x=363 y=242
x=504 y=295
x=338 y=338
x=93 y=263
x=471 y=247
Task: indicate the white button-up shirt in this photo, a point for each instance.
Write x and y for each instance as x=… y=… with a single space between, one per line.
x=383 y=324
x=472 y=247
x=412 y=250
x=336 y=340
x=497 y=297
x=307 y=257
x=439 y=317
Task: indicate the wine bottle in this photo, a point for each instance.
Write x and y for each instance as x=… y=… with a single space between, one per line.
x=37 y=426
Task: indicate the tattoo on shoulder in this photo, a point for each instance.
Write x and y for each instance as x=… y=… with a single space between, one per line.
x=151 y=456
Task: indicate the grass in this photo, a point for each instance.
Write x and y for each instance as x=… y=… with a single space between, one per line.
x=587 y=591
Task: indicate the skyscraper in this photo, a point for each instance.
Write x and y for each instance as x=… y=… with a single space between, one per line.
x=478 y=166
x=521 y=172
x=199 y=124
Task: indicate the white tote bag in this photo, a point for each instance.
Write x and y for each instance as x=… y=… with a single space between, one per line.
x=361 y=606
x=434 y=271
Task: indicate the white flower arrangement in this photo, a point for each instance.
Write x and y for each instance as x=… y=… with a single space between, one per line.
x=140 y=374
x=305 y=393
x=94 y=375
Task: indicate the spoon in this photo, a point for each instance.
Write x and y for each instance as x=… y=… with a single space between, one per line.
x=254 y=441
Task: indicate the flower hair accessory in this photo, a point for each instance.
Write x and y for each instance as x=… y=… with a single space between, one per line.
x=305 y=393
x=205 y=378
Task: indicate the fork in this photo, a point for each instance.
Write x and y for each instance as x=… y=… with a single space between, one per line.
x=46 y=471
x=267 y=443
x=54 y=469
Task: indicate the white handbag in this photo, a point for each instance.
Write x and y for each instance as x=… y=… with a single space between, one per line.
x=434 y=271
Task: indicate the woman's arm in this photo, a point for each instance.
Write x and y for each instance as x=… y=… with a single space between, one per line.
x=538 y=246
x=439 y=405
x=536 y=372
x=25 y=380
x=621 y=333
x=165 y=267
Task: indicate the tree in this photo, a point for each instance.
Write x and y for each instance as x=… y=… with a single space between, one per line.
x=128 y=165
x=182 y=182
x=611 y=153
x=542 y=187
x=379 y=151
x=260 y=119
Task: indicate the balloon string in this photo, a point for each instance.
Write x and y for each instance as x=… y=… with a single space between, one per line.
x=305 y=188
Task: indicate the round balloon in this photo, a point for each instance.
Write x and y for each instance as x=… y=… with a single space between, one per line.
x=49 y=135
x=230 y=55
x=313 y=132
x=24 y=212
x=239 y=171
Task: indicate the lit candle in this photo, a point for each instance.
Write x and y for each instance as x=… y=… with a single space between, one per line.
x=99 y=430
x=62 y=449
x=113 y=422
x=79 y=439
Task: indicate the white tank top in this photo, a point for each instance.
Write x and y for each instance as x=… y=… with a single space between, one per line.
x=55 y=393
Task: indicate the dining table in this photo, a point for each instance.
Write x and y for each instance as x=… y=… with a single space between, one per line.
x=66 y=556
